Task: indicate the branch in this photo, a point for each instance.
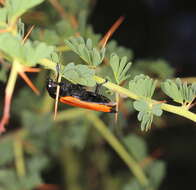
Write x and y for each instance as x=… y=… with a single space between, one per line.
x=110 y=138
x=167 y=107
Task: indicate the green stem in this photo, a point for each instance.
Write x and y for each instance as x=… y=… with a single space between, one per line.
x=167 y=107
x=8 y=96
x=109 y=137
x=117 y=146
x=19 y=157
x=12 y=78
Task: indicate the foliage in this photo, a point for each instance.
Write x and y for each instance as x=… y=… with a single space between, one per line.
x=144 y=86
x=120 y=68
x=68 y=148
x=28 y=54
x=180 y=92
x=79 y=74
x=86 y=51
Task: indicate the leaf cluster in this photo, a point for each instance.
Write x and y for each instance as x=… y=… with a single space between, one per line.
x=120 y=67
x=146 y=113
x=27 y=54
x=91 y=55
x=79 y=74
x=14 y=9
x=144 y=87
x=182 y=93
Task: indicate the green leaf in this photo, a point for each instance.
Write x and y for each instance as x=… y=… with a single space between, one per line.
x=37 y=163
x=156 y=172
x=193 y=86
x=89 y=44
x=8 y=179
x=146 y=121
x=143 y=86
x=55 y=57
x=156 y=109
x=171 y=89
x=42 y=122
x=133 y=184
x=141 y=105
x=120 y=67
x=74 y=7
x=7 y=148
x=112 y=46
x=156 y=68
x=76 y=135
x=13 y=45
x=48 y=36
x=64 y=29
x=36 y=51
x=3 y=17
x=18 y=7
x=136 y=145
x=146 y=112
x=85 y=50
x=27 y=54
x=178 y=91
x=79 y=74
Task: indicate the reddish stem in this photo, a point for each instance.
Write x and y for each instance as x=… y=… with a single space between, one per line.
x=6 y=112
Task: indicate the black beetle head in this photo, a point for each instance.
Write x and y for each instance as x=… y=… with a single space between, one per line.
x=51 y=87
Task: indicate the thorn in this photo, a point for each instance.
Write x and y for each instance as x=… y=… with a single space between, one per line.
x=161 y=101
x=31 y=70
x=29 y=82
x=112 y=29
x=192 y=105
x=28 y=33
x=4 y=30
x=57 y=98
x=2 y=2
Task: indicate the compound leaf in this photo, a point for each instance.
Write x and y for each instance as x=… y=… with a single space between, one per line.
x=136 y=146
x=27 y=54
x=79 y=74
x=146 y=113
x=18 y=7
x=85 y=50
x=182 y=93
x=120 y=67
x=143 y=86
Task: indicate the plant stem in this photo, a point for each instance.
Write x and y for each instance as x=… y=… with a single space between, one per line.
x=19 y=158
x=8 y=96
x=167 y=107
x=109 y=137
x=117 y=146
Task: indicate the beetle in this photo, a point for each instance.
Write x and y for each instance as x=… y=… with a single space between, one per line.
x=77 y=95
